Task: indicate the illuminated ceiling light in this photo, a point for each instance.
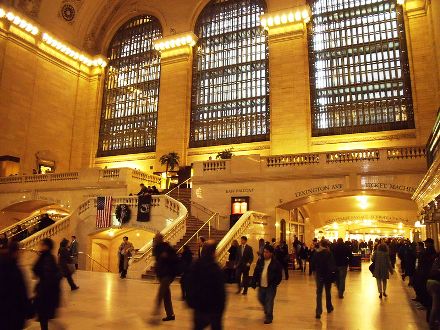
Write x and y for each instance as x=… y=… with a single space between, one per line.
x=299 y=14
x=335 y=225
x=400 y=225
x=401 y=2
x=10 y=16
x=111 y=233
x=186 y=39
x=2 y=13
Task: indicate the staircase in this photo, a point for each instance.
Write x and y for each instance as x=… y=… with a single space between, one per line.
x=193 y=224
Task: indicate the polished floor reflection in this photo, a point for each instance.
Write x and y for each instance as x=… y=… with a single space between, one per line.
x=106 y=302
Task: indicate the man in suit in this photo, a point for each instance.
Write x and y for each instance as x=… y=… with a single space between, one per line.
x=74 y=251
x=245 y=256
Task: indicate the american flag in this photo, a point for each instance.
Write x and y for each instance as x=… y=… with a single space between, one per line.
x=104 y=212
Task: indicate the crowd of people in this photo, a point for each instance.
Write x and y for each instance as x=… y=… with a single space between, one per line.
x=203 y=280
x=16 y=306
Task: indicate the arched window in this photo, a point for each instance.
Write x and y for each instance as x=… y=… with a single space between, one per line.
x=359 y=68
x=230 y=89
x=131 y=90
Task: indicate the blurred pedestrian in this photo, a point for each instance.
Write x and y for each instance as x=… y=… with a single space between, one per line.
x=3 y=241
x=47 y=290
x=74 y=250
x=166 y=260
x=185 y=262
x=382 y=268
x=15 y=306
x=325 y=274
x=342 y=255
x=267 y=276
x=206 y=292
x=66 y=264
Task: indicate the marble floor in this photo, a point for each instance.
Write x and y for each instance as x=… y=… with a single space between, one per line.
x=106 y=302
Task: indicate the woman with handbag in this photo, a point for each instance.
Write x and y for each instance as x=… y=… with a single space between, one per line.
x=382 y=268
x=66 y=264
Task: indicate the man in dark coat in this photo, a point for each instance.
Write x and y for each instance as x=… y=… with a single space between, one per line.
x=15 y=306
x=166 y=263
x=342 y=255
x=245 y=256
x=47 y=298
x=267 y=276
x=325 y=269
x=206 y=292
x=65 y=263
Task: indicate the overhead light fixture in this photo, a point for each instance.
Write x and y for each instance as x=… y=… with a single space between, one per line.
x=32 y=29
x=175 y=41
x=299 y=14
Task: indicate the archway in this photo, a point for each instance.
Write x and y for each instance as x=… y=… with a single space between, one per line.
x=354 y=215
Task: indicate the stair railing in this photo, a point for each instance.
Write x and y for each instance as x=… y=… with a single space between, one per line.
x=239 y=229
x=213 y=217
x=187 y=183
x=28 y=222
x=94 y=261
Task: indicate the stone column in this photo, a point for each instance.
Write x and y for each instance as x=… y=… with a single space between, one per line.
x=174 y=97
x=289 y=82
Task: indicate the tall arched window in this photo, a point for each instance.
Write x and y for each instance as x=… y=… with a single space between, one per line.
x=131 y=90
x=230 y=89
x=359 y=68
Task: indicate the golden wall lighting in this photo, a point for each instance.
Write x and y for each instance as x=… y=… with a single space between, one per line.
x=295 y=15
x=58 y=45
x=175 y=41
x=30 y=28
x=19 y=22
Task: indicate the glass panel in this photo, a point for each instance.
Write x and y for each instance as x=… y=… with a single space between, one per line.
x=131 y=90
x=359 y=67
x=230 y=97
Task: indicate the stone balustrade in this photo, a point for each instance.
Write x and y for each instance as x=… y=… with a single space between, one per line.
x=29 y=222
x=312 y=162
x=50 y=231
x=292 y=160
x=214 y=165
x=93 y=175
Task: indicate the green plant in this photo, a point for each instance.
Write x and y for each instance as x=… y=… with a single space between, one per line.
x=171 y=161
x=225 y=154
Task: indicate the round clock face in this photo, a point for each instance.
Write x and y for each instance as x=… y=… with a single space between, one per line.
x=68 y=12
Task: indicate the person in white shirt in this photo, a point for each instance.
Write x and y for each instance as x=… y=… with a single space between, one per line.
x=267 y=276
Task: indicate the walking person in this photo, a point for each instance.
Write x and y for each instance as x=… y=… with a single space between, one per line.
x=267 y=276
x=165 y=268
x=342 y=255
x=47 y=290
x=325 y=272
x=245 y=256
x=124 y=253
x=74 y=250
x=65 y=263
x=206 y=292
x=15 y=306
x=186 y=258
x=230 y=265
x=304 y=255
x=382 y=268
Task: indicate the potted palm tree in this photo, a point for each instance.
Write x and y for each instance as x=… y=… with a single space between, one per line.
x=225 y=154
x=171 y=161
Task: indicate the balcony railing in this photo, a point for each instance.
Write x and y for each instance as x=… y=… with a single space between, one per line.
x=90 y=175
x=267 y=164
